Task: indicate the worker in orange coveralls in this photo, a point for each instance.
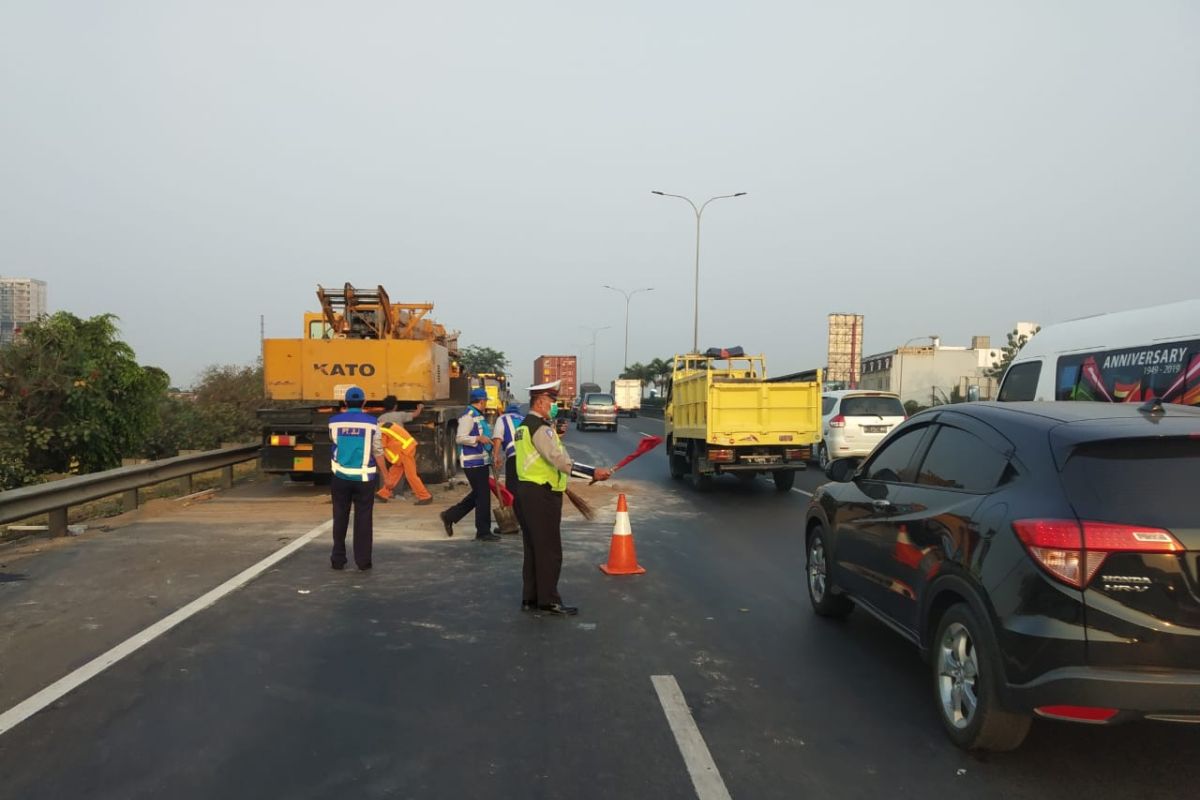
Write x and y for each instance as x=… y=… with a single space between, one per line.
x=400 y=450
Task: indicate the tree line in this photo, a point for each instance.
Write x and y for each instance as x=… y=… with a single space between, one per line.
x=74 y=400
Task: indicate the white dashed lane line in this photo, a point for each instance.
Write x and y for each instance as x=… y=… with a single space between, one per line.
x=801 y=491
x=705 y=777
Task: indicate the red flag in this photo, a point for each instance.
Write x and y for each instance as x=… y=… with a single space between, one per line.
x=502 y=493
x=644 y=446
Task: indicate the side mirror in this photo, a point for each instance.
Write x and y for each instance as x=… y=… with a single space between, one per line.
x=842 y=470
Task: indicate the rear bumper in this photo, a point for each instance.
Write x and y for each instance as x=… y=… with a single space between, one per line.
x=787 y=466
x=1172 y=695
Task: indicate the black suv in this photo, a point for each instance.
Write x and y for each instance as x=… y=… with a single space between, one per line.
x=1044 y=557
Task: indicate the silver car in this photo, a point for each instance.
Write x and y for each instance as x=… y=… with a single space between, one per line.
x=597 y=410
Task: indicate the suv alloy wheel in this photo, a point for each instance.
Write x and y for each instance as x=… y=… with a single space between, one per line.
x=964 y=684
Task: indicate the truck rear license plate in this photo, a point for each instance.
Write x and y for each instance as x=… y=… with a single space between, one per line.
x=875 y=428
x=760 y=459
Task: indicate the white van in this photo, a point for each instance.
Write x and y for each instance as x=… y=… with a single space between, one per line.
x=1126 y=357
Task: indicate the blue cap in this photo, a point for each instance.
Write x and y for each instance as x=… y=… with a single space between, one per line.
x=355 y=396
x=513 y=408
x=478 y=394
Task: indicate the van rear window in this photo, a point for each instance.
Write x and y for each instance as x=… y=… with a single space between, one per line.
x=1138 y=481
x=1020 y=382
x=1169 y=372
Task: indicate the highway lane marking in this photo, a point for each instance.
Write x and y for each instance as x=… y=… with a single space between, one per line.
x=705 y=777
x=68 y=683
x=801 y=491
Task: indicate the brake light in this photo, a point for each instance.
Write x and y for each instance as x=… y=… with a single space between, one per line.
x=798 y=454
x=722 y=456
x=1073 y=552
x=283 y=441
x=837 y=422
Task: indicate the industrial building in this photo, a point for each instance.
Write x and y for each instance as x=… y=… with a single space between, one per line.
x=930 y=373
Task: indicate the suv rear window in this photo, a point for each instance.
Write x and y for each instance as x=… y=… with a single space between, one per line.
x=1136 y=481
x=872 y=407
x=599 y=400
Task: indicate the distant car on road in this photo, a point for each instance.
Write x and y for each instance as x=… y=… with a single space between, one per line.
x=597 y=410
x=1044 y=557
x=853 y=421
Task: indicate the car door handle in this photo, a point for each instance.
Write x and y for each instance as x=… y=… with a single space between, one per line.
x=882 y=505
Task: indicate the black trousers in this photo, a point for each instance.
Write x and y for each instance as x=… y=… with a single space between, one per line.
x=360 y=495
x=479 y=499
x=511 y=481
x=539 y=510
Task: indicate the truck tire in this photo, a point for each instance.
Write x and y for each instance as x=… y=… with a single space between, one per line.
x=702 y=482
x=443 y=448
x=677 y=465
x=785 y=479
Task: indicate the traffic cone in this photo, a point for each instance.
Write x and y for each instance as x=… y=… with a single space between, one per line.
x=622 y=559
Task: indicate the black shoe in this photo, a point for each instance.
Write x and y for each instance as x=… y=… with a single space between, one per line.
x=337 y=566
x=529 y=607
x=380 y=498
x=487 y=537
x=559 y=609
x=364 y=569
x=424 y=502
x=447 y=523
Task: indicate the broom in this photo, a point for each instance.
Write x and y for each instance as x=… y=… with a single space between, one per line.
x=581 y=505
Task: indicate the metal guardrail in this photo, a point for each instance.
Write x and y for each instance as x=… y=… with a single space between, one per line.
x=56 y=497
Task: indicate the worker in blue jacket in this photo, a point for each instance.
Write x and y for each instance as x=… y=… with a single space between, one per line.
x=356 y=460
x=504 y=446
x=474 y=443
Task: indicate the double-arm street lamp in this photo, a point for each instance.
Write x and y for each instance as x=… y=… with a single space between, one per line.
x=699 y=212
x=628 y=296
x=595 y=332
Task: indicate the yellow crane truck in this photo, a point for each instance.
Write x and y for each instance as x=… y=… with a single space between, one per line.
x=361 y=338
x=724 y=416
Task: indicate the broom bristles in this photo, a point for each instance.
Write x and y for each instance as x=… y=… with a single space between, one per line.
x=581 y=505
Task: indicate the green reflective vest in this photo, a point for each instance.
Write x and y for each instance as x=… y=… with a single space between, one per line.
x=532 y=467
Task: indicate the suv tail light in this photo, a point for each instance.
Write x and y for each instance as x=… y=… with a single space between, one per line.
x=837 y=422
x=1073 y=552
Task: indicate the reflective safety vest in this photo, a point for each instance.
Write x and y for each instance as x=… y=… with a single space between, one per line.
x=476 y=455
x=351 y=455
x=532 y=467
x=506 y=431
x=396 y=440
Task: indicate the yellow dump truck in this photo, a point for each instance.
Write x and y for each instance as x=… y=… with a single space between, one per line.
x=498 y=395
x=724 y=416
x=361 y=338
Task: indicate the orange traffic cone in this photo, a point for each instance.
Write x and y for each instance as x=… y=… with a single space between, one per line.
x=622 y=559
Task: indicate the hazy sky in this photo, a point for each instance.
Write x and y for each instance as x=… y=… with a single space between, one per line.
x=941 y=167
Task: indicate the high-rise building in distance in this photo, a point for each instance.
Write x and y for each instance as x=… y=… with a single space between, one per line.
x=22 y=300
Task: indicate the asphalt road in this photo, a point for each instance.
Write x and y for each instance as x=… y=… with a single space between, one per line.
x=423 y=679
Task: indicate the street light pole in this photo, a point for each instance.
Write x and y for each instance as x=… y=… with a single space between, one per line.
x=595 y=332
x=628 y=297
x=699 y=212
x=900 y=357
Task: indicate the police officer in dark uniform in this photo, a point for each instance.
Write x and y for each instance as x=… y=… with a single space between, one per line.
x=543 y=468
